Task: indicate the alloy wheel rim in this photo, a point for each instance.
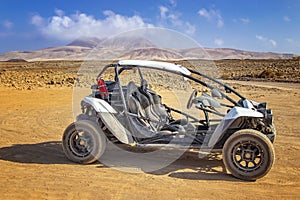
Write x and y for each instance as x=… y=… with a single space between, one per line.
x=80 y=143
x=247 y=155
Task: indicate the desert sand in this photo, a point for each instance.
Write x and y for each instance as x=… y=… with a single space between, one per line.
x=33 y=165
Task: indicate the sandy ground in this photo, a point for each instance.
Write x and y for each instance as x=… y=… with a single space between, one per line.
x=33 y=165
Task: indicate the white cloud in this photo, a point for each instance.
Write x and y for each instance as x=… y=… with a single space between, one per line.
x=173 y=3
x=174 y=18
x=82 y=25
x=219 y=42
x=286 y=18
x=163 y=11
x=259 y=37
x=37 y=20
x=7 y=24
x=212 y=15
x=245 y=20
x=203 y=12
x=170 y=16
x=273 y=42
x=59 y=12
x=108 y=12
x=191 y=29
x=266 y=40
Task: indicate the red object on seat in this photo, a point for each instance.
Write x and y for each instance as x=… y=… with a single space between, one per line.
x=102 y=88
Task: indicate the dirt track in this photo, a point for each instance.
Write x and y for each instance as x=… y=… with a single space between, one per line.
x=33 y=165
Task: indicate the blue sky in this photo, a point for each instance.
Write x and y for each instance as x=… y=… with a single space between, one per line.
x=255 y=25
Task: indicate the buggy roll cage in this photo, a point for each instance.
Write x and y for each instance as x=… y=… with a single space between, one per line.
x=206 y=122
x=227 y=88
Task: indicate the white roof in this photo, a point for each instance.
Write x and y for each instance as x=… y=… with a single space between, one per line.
x=156 y=65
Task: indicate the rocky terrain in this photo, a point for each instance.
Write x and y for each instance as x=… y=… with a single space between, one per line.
x=282 y=70
x=41 y=74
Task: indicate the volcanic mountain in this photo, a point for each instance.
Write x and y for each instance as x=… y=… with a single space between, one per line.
x=132 y=47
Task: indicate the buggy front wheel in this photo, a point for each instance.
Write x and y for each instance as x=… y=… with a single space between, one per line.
x=83 y=142
x=248 y=154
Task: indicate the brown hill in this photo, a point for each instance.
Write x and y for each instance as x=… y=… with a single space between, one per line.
x=133 y=48
x=152 y=54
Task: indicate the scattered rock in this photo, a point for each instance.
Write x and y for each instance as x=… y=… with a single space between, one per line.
x=64 y=73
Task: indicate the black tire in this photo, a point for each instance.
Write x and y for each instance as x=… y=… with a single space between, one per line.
x=248 y=154
x=83 y=142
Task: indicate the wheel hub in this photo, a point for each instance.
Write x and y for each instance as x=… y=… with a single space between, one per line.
x=248 y=155
x=80 y=144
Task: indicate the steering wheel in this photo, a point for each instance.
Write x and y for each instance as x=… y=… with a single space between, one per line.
x=190 y=102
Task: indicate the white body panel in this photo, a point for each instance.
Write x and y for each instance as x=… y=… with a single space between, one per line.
x=230 y=117
x=106 y=112
x=156 y=65
x=237 y=112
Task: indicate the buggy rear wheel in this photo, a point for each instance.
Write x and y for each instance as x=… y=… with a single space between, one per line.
x=83 y=142
x=248 y=154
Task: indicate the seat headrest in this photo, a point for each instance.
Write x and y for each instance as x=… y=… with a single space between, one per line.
x=144 y=85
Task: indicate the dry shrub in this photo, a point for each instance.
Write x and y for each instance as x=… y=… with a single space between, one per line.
x=267 y=73
x=225 y=76
x=280 y=74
